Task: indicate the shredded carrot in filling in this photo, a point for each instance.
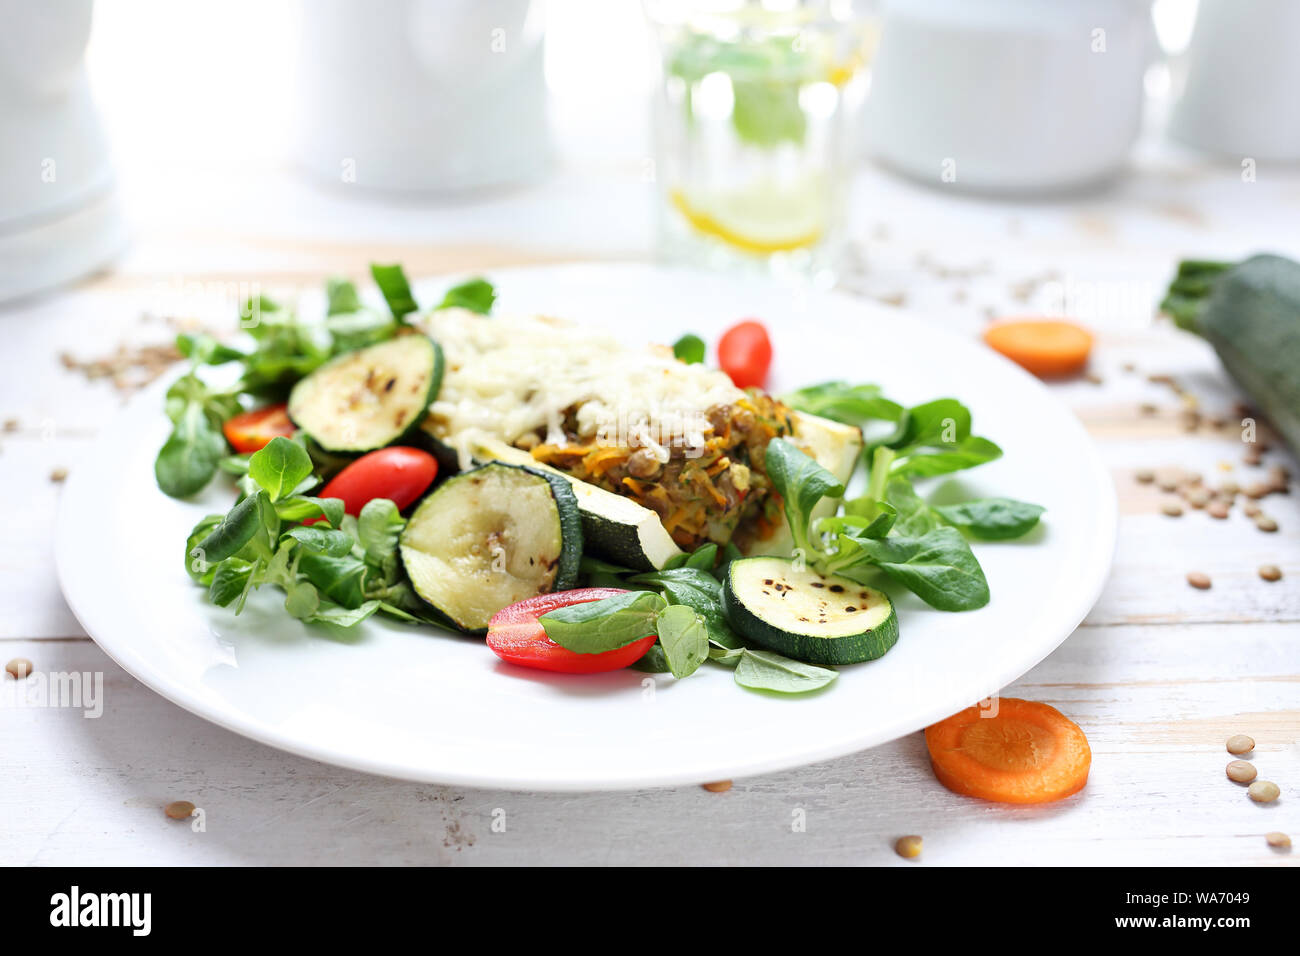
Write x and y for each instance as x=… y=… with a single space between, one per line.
x=674 y=519
x=712 y=494
x=603 y=459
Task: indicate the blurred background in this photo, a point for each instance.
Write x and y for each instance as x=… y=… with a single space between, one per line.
x=843 y=142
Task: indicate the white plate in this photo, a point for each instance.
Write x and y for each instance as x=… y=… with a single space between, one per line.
x=421 y=704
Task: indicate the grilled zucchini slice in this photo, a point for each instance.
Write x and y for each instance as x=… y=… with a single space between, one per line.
x=807 y=616
x=371 y=397
x=490 y=537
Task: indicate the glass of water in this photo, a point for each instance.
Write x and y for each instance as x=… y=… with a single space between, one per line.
x=756 y=127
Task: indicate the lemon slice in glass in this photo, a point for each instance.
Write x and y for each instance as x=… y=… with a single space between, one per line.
x=761 y=218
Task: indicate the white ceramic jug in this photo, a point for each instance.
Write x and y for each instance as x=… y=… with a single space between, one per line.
x=422 y=95
x=59 y=217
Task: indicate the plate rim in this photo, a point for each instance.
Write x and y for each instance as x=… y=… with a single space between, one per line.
x=1100 y=553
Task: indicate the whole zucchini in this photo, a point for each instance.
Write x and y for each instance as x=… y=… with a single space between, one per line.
x=1250 y=313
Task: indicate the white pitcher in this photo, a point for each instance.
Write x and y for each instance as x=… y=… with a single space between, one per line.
x=59 y=217
x=422 y=95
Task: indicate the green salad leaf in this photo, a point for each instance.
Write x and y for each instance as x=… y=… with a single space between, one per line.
x=993 y=519
x=477 y=295
x=281 y=467
x=696 y=589
x=341 y=297
x=683 y=636
x=938 y=567
x=230 y=581
x=690 y=349
x=841 y=402
x=188 y=459
x=326 y=541
x=765 y=670
x=234 y=531
x=598 y=626
x=802 y=483
x=391 y=280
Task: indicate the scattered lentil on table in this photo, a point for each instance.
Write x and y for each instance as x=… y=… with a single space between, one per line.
x=1240 y=744
x=1241 y=771
x=1263 y=791
x=179 y=810
x=1199 y=580
x=18 y=668
x=908 y=847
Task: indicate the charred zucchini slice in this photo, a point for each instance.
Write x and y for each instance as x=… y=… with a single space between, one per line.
x=810 y=617
x=490 y=537
x=371 y=397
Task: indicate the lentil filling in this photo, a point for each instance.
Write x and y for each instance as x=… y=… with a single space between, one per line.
x=717 y=491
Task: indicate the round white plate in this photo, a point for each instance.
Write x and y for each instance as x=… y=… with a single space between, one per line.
x=422 y=704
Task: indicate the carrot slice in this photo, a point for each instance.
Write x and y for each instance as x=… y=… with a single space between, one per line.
x=1049 y=348
x=1024 y=752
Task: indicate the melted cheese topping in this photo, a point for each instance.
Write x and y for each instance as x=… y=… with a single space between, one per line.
x=511 y=376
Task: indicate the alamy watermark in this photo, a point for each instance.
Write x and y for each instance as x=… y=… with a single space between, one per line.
x=76 y=690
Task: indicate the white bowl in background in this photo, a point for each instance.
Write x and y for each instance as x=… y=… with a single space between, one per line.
x=1242 y=93
x=1009 y=96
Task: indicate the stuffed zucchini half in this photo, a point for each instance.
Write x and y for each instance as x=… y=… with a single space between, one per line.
x=489 y=537
x=625 y=533
x=664 y=456
x=614 y=528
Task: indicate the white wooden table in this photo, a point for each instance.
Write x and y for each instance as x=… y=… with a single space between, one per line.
x=1158 y=675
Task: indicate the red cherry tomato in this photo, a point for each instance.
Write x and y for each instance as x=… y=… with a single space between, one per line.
x=253 y=431
x=516 y=635
x=745 y=353
x=399 y=474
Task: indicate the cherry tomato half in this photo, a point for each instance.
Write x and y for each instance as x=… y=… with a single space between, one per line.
x=745 y=353
x=516 y=635
x=399 y=474
x=253 y=431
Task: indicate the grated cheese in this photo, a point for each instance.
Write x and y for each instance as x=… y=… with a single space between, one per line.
x=509 y=376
